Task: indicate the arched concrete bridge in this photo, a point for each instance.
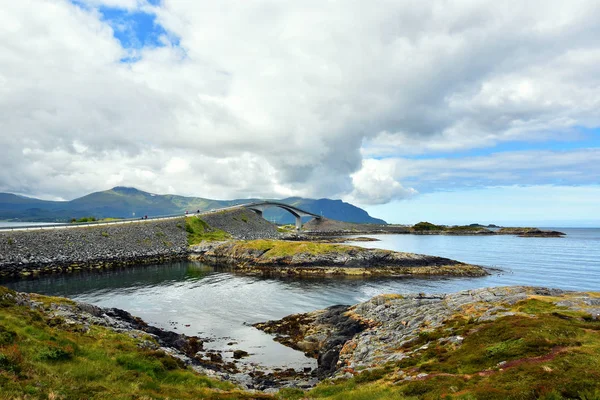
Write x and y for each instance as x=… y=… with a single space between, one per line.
x=260 y=206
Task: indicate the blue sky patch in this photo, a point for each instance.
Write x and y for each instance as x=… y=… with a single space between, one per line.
x=581 y=138
x=134 y=29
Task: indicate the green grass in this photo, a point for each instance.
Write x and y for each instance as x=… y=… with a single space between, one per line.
x=199 y=231
x=42 y=357
x=542 y=352
x=281 y=248
x=286 y=228
x=84 y=219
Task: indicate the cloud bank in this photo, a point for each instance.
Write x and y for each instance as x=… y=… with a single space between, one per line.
x=361 y=100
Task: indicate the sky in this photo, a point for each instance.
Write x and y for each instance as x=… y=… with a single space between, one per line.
x=451 y=111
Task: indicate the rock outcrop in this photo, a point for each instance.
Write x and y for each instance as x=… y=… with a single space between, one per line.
x=308 y=258
x=390 y=328
x=529 y=232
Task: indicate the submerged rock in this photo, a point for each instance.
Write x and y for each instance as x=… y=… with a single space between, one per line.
x=237 y=354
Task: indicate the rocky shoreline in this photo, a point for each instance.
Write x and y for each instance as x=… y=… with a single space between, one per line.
x=277 y=258
x=391 y=328
x=530 y=232
x=474 y=339
x=187 y=350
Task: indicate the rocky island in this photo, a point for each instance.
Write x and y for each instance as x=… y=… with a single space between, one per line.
x=269 y=257
x=529 y=232
x=329 y=228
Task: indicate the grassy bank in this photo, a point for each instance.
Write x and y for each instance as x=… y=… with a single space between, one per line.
x=280 y=248
x=42 y=357
x=538 y=351
x=199 y=231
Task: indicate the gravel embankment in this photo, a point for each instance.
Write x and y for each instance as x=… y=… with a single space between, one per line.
x=25 y=253
x=242 y=224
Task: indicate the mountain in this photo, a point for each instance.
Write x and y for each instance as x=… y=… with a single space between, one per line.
x=126 y=202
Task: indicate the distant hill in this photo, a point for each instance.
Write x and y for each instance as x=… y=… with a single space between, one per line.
x=125 y=202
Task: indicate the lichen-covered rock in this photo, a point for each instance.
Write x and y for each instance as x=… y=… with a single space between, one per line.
x=309 y=258
x=387 y=327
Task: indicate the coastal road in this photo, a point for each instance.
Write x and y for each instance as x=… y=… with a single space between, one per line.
x=116 y=222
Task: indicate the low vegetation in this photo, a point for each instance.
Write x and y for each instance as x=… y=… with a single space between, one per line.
x=542 y=352
x=538 y=351
x=83 y=219
x=41 y=357
x=199 y=231
x=429 y=227
x=286 y=228
x=282 y=248
x=109 y=219
x=466 y=228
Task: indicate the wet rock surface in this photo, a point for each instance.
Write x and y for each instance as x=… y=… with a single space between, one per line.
x=345 y=339
x=333 y=329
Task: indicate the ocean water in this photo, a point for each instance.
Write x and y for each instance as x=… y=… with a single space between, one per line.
x=18 y=224
x=571 y=262
x=199 y=300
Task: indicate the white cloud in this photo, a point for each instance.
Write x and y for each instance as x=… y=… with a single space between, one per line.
x=375 y=184
x=575 y=167
x=277 y=98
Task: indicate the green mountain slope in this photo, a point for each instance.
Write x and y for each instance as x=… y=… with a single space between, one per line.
x=124 y=202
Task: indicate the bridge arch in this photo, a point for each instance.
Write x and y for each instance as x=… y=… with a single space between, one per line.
x=259 y=207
